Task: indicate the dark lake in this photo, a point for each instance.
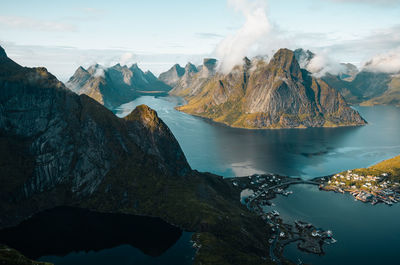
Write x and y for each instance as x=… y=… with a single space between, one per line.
x=67 y=235
x=366 y=234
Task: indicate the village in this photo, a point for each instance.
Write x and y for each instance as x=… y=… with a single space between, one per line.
x=364 y=187
x=257 y=191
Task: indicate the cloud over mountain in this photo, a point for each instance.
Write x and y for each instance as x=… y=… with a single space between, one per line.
x=256 y=36
x=385 y=63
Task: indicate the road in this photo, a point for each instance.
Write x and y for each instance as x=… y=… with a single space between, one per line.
x=284 y=184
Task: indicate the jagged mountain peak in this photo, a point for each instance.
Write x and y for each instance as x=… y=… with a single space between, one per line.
x=115 y=85
x=145 y=114
x=93 y=68
x=303 y=57
x=209 y=62
x=178 y=67
x=172 y=76
x=2 y=52
x=277 y=94
x=81 y=69
x=135 y=66
x=118 y=66
x=189 y=68
x=285 y=60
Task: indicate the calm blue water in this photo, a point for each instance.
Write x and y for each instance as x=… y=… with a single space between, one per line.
x=366 y=234
x=308 y=153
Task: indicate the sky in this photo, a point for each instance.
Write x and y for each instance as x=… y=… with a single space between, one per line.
x=62 y=35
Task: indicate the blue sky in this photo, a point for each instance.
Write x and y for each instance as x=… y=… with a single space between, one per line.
x=62 y=35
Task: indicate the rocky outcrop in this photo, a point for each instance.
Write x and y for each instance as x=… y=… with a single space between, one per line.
x=278 y=94
x=58 y=148
x=115 y=85
x=172 y=76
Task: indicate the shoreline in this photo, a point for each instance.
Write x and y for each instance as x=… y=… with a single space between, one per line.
x=259 y=189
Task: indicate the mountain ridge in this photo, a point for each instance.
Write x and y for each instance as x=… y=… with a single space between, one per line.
x=260 y=95
x=115 y=85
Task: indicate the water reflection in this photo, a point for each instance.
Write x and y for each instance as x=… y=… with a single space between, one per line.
x=296 y=152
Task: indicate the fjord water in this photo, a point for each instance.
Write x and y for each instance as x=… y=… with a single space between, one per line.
x=308 y=153
x=366 y=234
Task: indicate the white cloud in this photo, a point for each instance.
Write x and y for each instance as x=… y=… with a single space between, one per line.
x=375 y=2
x=208 y=35
x=25 y=23
x=386 y=63
x=322 y=63
x=356 y=50
x=127 y=58
x=257 y=36
x=99 y=71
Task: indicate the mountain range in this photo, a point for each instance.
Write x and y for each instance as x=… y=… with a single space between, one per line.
x=365 y=87
x=115 y=85
x=58 y=148
x=257 y=94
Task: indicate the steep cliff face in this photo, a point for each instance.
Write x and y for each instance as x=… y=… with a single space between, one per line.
x=58 y=148
x=115 y=85
x=172 y=76
x=275 y=95
x=70 y=140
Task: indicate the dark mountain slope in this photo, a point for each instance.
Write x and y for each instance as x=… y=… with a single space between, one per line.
x=61 y=149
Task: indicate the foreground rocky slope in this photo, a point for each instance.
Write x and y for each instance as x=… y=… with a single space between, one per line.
x=59 y=148
x=115 y=85
x=256 y=94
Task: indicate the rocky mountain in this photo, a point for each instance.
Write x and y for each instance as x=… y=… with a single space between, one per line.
x=193 y=79
x=391 y=95
x=172 y=76
x=256 y=95
x=58 y=148
x=115 y=85
x=303 y=57
x=363 y=87
x=347 y=72
x=368 y=88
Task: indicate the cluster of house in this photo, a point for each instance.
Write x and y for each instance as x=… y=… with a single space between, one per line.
x=373 y=189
